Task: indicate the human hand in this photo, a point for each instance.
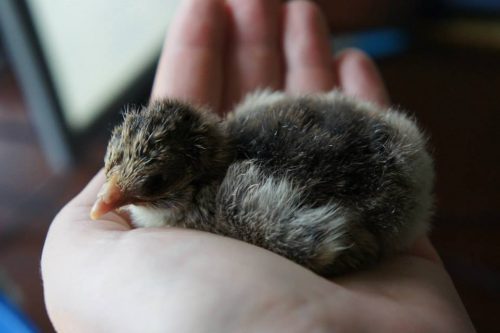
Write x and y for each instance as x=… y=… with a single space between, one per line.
x=102 y=276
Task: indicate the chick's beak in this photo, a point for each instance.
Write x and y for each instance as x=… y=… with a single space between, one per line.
x=110 y=197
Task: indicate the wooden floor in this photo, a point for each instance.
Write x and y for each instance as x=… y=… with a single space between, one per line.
x=455 y=95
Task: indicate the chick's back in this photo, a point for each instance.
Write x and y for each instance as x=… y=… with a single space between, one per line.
x=367 y=164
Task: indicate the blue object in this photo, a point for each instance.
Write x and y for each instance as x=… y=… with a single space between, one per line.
x=377 y=43
x=12 y=320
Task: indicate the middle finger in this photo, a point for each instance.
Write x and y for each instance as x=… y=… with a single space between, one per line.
x=254 y=48
x=309 y=66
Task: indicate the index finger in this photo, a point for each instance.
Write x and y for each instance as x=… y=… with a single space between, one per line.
x=190 y=67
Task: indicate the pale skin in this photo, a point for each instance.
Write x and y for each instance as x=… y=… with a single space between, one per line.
x=103 y=276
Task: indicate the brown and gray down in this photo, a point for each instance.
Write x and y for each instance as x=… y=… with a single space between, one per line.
x=328 y=181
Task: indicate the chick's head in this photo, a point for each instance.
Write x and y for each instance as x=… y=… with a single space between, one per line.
x=158 y=154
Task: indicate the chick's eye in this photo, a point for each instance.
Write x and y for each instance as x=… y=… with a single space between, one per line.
x=155 y=184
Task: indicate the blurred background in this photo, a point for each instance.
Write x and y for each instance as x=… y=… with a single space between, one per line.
x=67 y=67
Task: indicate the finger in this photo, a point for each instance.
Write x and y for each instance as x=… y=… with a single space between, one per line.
x=423 y=248
x=307 y=49
x=80 y=207
x=358 y=76
x=254 y=48
x=190 y=67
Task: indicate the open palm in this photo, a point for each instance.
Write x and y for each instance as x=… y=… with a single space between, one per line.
x=103 y=276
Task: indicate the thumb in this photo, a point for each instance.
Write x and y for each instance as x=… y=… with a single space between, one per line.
x=76 y=214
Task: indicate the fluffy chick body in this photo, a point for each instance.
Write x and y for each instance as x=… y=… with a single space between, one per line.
x=325 y=180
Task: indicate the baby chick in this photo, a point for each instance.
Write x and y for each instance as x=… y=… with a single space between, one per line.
x=162 y=160
x=328 y=181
